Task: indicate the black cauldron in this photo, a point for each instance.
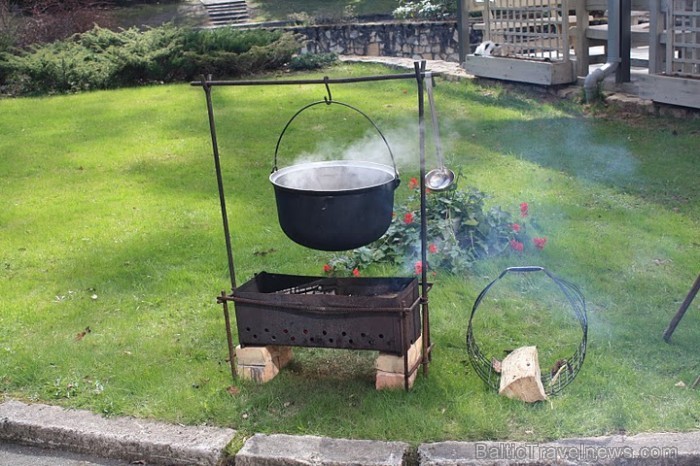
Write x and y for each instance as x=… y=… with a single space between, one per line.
x=334 y=205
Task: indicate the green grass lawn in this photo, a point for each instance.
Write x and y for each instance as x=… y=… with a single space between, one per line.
x=110 y=221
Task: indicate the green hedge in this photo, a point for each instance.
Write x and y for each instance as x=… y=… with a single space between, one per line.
x=104 y=59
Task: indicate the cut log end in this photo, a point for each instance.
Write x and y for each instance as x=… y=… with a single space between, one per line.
x=521 y=376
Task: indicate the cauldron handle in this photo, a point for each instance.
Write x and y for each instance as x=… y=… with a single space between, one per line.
x=328 y=101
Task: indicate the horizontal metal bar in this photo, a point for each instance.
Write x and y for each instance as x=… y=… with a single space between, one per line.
x=257 y=82
x=319 y=309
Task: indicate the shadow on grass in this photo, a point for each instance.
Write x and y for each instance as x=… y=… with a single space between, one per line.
x=654 y=160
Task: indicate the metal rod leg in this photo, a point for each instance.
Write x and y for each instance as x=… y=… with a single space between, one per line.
x=420 y=70
x=696 y=384
x=681 y=311
x=229 y=336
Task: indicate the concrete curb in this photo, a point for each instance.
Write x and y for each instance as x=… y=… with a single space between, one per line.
x=619 y=450
x=290 y=450
x=154 y=443
x=121 y=438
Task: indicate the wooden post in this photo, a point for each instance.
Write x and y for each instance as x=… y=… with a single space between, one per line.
x=581 y=44
x=463 y=29
x=681 y=311
x=656 y=29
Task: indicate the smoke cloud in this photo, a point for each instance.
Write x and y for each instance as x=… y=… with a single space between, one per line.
x=403 y=142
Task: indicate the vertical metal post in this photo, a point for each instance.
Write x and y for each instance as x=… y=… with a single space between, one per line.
x=219 y=179
x=420 y=70
x=229 y=336
x=406 y=349
x=622 y=75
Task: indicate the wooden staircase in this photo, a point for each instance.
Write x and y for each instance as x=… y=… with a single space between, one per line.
x=223 y=12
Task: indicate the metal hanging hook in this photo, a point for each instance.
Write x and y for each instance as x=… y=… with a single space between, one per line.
x=329 y=98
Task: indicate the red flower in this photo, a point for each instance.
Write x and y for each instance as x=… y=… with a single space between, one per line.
x=418 y=267
x=327 y=268
x=523 y=209
x=432 y=248
x=408 y=218
x=517 y=245
x=413 y=183
x=539 y=242
x=355 y=272
x=516 y=228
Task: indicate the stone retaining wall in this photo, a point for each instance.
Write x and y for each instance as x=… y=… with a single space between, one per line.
x=416 y=40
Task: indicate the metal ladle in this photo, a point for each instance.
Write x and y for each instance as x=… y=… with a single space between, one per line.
x=442 y=177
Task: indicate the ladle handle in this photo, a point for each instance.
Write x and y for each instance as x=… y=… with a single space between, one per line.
x=433 y=117
x=329 y=102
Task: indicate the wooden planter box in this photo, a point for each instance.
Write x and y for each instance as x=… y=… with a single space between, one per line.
x=521 y=70
x=672 y=90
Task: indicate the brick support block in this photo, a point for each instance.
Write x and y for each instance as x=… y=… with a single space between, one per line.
x=261 y=363
x=258 y=374
x=392 y=381
x=390 y=368
x=386 y=362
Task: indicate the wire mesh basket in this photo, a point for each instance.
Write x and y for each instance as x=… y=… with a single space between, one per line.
x=565 y=369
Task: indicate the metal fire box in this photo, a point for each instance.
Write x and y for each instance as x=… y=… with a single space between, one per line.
x=380 y=314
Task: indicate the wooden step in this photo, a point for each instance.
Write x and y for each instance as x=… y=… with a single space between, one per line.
x=228 y=8
x=222 y=12
x=208 y=3
x=216 y=14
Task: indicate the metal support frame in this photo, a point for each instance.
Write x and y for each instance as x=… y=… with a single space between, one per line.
x=207 y=83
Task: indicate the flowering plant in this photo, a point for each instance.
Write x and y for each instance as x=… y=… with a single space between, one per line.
x=460 y=231
x=521 y=231
x=424 y=9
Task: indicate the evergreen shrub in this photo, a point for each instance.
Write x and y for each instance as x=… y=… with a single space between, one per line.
x=105 y=59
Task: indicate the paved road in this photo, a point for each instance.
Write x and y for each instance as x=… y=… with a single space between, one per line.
x=17 y=455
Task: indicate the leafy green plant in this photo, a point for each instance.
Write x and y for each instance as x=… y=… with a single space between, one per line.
x=234 y=53
x=228 y=39
x=312 y=61
x=104 y=59
x=460 y=231
x=425 y=9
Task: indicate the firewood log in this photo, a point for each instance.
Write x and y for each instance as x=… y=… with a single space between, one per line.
x=520 y=376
